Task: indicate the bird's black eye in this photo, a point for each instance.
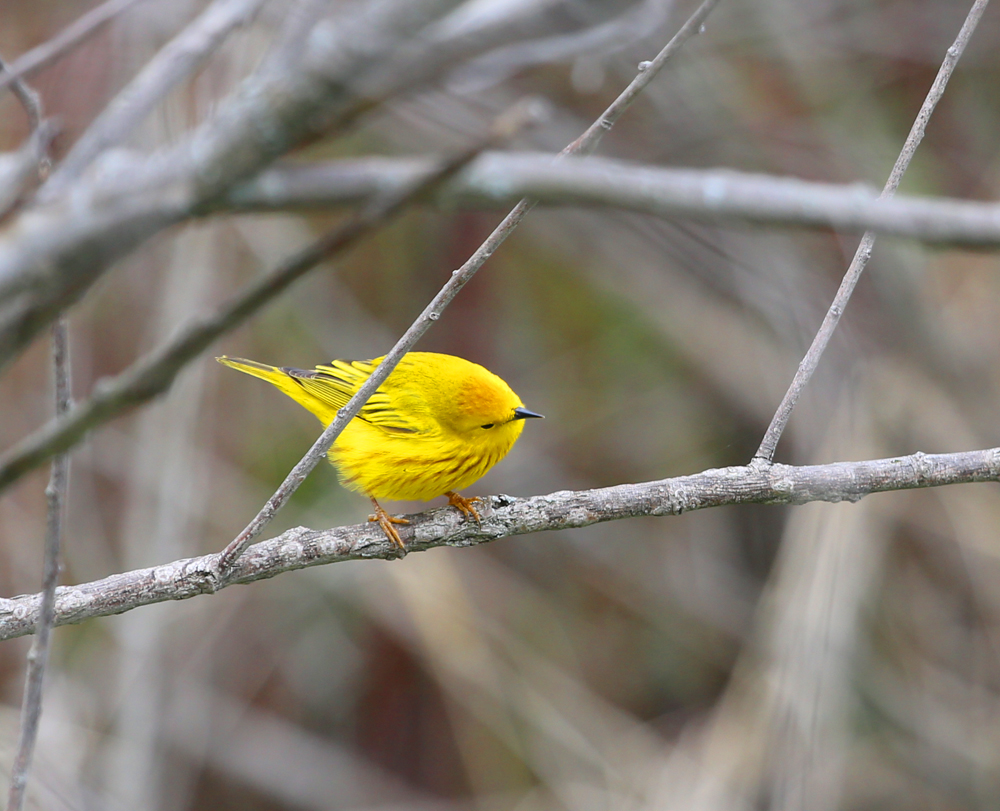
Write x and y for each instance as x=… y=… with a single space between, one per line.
x=488 y=425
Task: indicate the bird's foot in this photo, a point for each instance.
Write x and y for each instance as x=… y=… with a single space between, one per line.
x=464 y=506
x=386 y=522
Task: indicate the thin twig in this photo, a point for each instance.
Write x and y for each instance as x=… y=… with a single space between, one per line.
x=154 y=373
x=30 y=100
x=505 y=516
x=55 y=496
x=173 y=63
x=591 y=138
x=717 y=195
x=769 y=444
x=63 y=42
x=432 y=312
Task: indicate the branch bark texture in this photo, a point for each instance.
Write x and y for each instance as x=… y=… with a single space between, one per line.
x=504 y=516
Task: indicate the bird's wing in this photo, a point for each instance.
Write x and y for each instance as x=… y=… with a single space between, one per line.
x=337 y=383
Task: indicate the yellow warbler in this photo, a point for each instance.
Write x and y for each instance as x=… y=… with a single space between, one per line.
x=435 y=426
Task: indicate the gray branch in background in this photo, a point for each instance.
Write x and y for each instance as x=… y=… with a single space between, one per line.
x=504 y=516
x=30 y=100
x=721 y=195
x=349 y=64
x=38 y=656
x=593 y=41
x=174 y=63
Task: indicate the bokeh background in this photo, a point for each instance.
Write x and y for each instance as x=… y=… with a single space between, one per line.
x=822 y=657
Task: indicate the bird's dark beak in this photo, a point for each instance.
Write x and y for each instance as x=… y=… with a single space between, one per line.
x=524 y=414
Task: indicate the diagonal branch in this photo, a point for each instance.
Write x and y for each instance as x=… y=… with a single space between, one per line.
x=768 y=445
x=591 y=137
x=502 y=517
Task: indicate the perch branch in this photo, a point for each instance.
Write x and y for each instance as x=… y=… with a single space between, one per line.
x=769 y=443
x=504 y=516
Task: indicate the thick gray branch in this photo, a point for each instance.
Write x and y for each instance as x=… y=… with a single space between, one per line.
x=504 y=516
x=495 y=179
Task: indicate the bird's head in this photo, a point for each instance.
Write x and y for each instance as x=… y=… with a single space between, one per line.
x=486 y=410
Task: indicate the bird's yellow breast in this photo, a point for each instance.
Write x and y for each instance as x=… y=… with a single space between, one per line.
x=405 y=467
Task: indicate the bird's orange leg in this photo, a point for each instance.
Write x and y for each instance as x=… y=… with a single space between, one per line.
x=386 y=521
x=464 y=505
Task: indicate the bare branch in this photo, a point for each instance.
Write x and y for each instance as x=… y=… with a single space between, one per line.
x=154 y=373
x=432 y=312
x=174 y=63
x=502 y=517
x=55 y=495
x=63 y=42
x=811 y=360
x=591 y=138
x=720 y=195
x=31 y=162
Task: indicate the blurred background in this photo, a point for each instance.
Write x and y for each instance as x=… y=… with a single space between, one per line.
x=822 y=657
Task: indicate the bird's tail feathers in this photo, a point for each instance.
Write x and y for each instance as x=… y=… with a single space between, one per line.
x=282 y=380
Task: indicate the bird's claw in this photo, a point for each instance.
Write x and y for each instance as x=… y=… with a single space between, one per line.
x=386 y=522
x=465 y=506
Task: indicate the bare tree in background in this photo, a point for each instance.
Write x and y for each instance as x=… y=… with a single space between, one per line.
x=306 y=178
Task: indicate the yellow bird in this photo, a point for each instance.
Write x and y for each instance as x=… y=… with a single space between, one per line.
x=434 y=427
